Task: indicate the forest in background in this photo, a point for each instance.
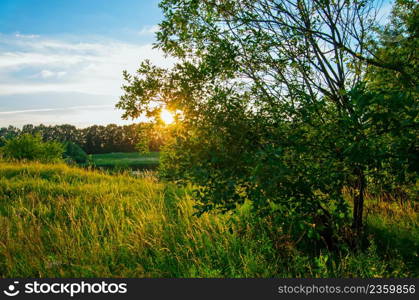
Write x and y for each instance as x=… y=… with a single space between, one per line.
x=96 y=139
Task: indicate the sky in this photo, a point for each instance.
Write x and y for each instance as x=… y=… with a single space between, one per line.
x=61 y=61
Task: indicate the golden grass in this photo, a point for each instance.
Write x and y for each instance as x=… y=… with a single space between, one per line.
x=62 y=221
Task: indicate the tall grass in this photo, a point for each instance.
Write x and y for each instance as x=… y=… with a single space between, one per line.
x=126 y=161
x=61 y=221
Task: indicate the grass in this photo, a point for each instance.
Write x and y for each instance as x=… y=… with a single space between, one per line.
x=133 y=160
x=62 y=221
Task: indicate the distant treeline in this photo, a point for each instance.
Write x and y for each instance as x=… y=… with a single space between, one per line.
x=94 y=139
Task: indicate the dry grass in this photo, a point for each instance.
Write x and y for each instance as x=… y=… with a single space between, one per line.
x=61 y=221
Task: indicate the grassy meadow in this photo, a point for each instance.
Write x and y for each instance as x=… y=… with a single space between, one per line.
x=63 y=221
x=132 y=160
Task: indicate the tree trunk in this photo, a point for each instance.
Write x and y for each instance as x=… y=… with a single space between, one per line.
x=359 y=201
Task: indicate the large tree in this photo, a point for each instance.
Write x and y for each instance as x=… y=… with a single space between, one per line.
x=274 y=108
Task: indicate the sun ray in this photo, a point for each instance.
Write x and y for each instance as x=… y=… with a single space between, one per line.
x=167 y=116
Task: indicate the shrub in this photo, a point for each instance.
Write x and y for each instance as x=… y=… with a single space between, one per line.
x=74 y=152
x=29 y=147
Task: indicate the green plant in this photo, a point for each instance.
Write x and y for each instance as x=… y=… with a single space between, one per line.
x=75 y=153
x=62 y=221
x=29 y=147
x=277 y=107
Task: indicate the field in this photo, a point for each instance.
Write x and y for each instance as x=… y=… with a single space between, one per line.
x=132 y=160
x=62 y=221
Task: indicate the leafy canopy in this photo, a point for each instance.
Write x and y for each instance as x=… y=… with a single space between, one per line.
x=278 y=105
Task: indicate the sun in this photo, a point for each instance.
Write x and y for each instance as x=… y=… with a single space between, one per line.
x=167 y=116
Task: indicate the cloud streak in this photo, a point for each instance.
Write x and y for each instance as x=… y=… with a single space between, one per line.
x=149 y=30
x=79 y=116
x=72 y=80
x=38 y=64
x=12 y=112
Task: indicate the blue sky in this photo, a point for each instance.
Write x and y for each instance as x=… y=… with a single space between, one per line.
x=61 y=61
x=111 y=18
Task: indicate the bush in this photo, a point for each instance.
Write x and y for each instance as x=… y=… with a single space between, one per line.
x=29 y=147
x=74 y=152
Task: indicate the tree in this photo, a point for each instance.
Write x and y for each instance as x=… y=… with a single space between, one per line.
x=274 y=102
x=397 y=115
x=74 y=152
x=93 y=139
x=397 y=44
x=8 y=133
x=275 y=108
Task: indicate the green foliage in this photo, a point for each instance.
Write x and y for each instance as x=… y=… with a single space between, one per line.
x=397 y=45
x=279 y=107
x=390 y=105
x=29 y=147
x=8 y=133
x=94 y=139
x=74 y=152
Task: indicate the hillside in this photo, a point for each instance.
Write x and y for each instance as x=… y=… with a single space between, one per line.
x=61 y=221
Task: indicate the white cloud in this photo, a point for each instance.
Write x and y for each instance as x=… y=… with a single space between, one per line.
x=19 y=59
x=57 y=80
x=40 y=64
x=148 y=30
x=51 y=74
x=12 y=112
x=26 y=36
